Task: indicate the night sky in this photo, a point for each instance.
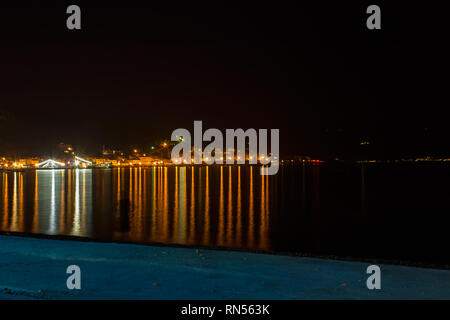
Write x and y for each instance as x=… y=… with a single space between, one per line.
x=135 y=72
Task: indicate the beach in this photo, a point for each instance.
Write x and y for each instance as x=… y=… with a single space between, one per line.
x=35 y=268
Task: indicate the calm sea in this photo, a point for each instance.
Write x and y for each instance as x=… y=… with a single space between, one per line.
x=390 y=211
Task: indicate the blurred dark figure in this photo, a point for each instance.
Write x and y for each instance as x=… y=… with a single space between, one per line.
x=124 y=207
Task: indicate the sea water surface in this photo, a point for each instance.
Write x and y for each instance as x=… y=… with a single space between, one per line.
x=390 y=211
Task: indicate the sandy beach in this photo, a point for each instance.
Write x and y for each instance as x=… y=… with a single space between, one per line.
x=32 y=268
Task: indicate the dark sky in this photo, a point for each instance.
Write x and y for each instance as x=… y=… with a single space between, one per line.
x=135 y=72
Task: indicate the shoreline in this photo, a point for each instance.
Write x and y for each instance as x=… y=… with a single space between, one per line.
x=35 y=268
x=407 y=263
